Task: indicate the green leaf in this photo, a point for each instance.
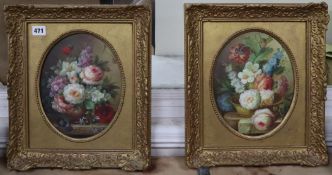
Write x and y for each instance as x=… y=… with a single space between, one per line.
x=89 y=105
x=262 y=62
x=263 y=54
x=106 y=81
x=102 y=64
x=279 y=70
x=96 y=60
x=223 y=90
x=226 y=84
x=289 y=96
x=252 y=44
x=252 y=57
x=269 y=39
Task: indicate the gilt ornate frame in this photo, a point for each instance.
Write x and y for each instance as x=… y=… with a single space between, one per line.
x=20 y=156
x=314 y=152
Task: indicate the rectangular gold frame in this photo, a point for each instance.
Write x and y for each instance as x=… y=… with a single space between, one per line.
x=314 y=152
x=20 y=156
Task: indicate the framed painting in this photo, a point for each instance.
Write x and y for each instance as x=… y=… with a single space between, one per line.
x=255 y=84
x=79 y=86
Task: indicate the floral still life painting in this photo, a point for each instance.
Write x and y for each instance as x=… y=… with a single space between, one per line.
x=253 y=83
x=80 y=87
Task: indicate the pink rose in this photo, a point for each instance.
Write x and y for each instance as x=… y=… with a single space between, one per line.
x=263 y=82
x=92 y=75
x=262 y=119
x=59 y=104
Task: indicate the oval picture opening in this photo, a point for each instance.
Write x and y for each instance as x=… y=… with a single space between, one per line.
x=80 y=85
x=253 y=83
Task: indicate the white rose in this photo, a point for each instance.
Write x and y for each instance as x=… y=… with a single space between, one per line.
x=239 y=89
x=250 y=99
x=231 y=75
x=69 y=67
x=74 y=93
x=229 y=68
x=267 y=97
x=97 y=96
x=72 y=76
x=262 y=119
x=253 y=67
x=246 y=76
x=238 y=86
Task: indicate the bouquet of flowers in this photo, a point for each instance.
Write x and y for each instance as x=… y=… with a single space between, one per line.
x=254 y=84
x=80 y=89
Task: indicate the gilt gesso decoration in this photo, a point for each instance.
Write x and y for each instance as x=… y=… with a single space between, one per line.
x=79 y=87
x=255 y=84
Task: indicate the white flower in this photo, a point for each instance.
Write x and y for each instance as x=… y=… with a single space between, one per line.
x=239 y=89
x=231 y=75
x=253 y=67
x=236 y=83
x=250 y=99
x=74 y=93
x=229 y=68
x=267 y=97
x=246 y=76
x=72 y=76
x=69 y=67
x=97 y=96
x=262 y=119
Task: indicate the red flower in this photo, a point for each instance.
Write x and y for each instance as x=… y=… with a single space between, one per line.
x=263 y=82
x=105 y=113
x=67 y=50
x=239 y=53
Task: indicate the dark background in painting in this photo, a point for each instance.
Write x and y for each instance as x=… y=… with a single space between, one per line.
x=78 y=41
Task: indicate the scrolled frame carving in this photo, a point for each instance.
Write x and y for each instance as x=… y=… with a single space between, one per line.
x=18 y=155
x=316 y=18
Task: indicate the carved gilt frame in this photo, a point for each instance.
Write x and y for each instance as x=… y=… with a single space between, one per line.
x=316 y=18
x=19 y=156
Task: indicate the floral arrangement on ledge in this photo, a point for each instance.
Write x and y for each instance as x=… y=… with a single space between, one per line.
x=80 y=89
x=254 y=85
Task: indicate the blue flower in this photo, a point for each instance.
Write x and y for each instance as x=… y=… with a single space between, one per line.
x=224 y=103
x=268 y=68
x=273 y=63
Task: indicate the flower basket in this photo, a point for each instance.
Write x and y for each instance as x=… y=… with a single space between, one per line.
x=75 y=114
x=248 y=113
x=240 y=110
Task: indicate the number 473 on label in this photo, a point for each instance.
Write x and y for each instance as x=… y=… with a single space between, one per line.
x=39 y=30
